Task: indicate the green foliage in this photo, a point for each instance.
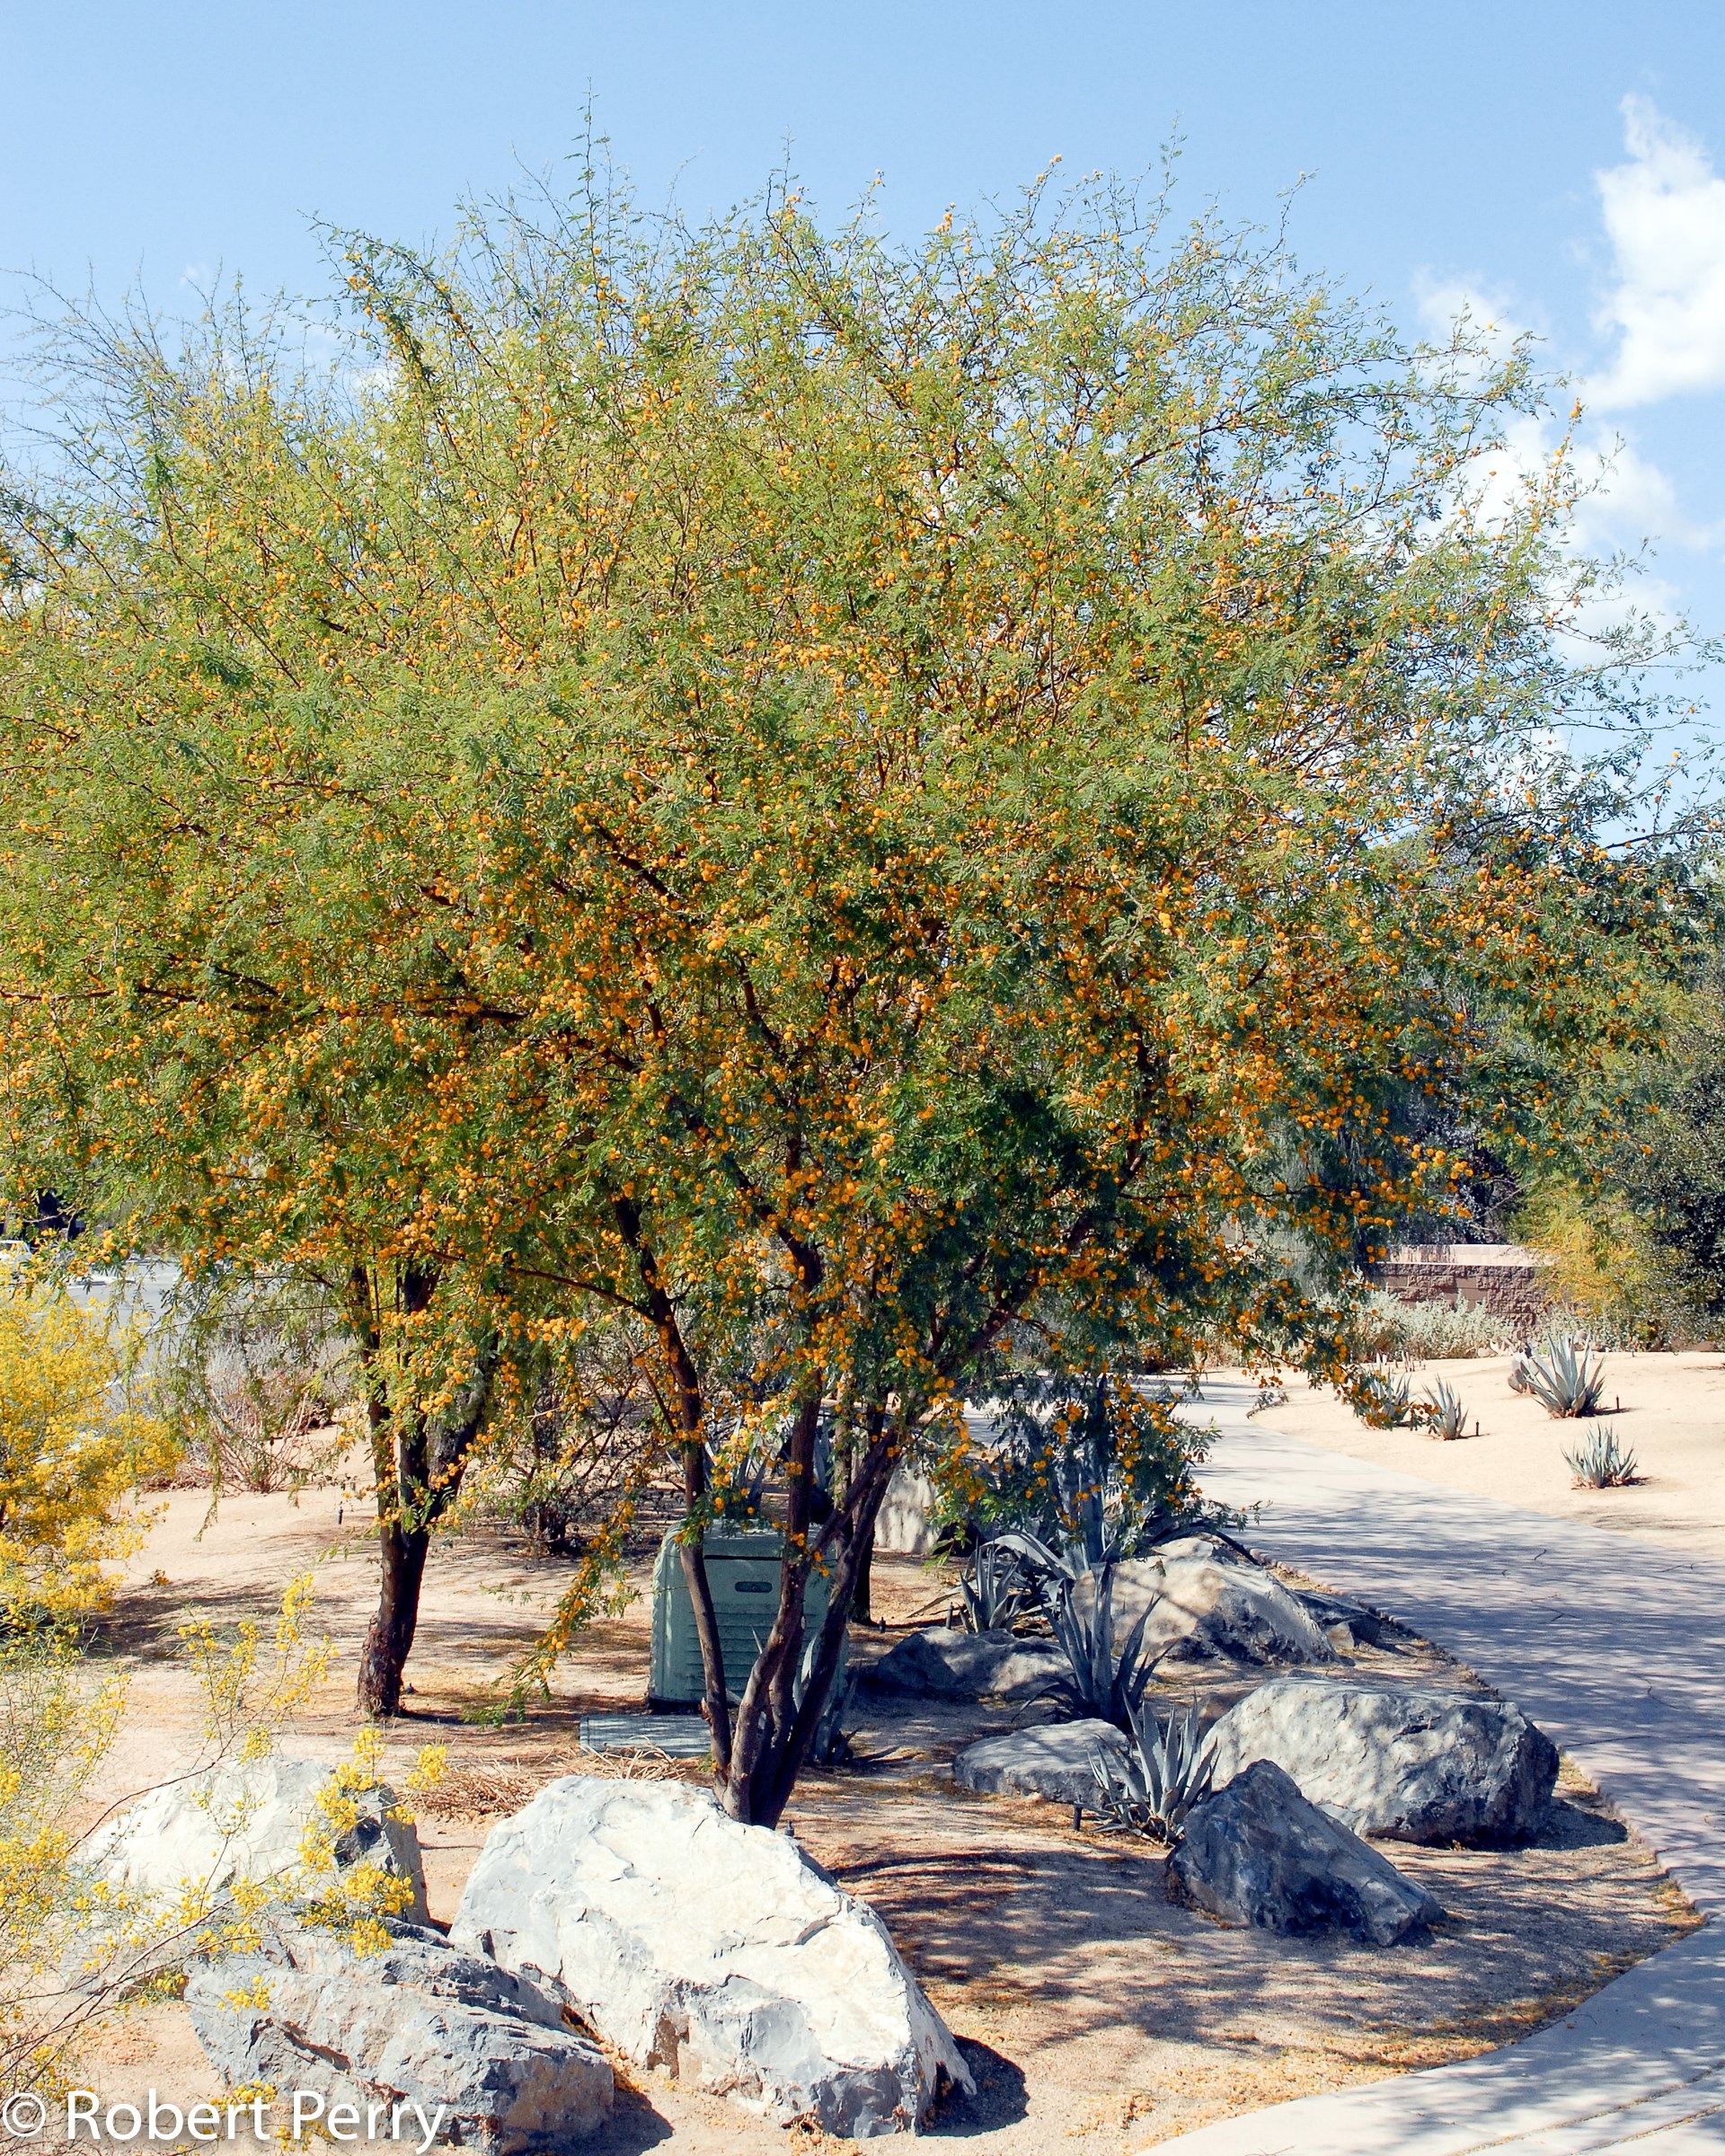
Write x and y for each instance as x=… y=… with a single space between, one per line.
x=1098 y=1466
x=1428 y=1332
x=893 y=813
x=73 y=1449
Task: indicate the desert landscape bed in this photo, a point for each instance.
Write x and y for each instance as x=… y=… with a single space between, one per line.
x=1093 y=2009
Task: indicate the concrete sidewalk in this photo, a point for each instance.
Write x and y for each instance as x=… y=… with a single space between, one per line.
x=1615 y=1645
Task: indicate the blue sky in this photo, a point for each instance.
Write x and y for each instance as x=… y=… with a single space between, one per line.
x=1557 y=162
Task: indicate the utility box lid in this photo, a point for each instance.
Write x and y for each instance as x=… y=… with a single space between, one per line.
x=743 y=1571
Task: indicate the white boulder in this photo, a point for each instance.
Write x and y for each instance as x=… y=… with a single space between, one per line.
x=1413 y=1765
x=419 y=2039
x=245 y=1822
x=718 y=1952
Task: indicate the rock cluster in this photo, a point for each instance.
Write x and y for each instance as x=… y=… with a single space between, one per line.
x=246 y=1822
x=1052 y=1761
x=1207 y=1604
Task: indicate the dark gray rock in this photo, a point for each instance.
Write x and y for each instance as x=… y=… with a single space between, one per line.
x=717 y=1951
x=941 y=1662
x=1412 y=1764
x=1053 y=1760
x=481 y=2051
x=1258 y=1853
x=1207 y=1604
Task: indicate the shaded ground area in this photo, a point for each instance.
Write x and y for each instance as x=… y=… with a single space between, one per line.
x=1098 y=2014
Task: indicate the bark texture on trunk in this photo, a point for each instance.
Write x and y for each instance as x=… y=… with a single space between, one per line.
x=418 y=1461
x=389 y=1636
x=773 y=1725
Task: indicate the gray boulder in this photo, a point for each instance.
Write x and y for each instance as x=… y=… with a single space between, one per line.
x=1209 y=1604
x=1053 y=1760
x=247 y=1822
x=1258 y=1853
x=718 y=1952
x=941 y=1661
x=1414 y=1765
x=480 y=2053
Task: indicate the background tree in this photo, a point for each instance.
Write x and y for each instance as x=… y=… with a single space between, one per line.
x=868 y=812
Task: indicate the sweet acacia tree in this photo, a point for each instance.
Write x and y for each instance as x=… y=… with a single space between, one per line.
x=857 y=812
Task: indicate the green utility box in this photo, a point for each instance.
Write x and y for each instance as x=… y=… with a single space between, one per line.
x=743 y=1570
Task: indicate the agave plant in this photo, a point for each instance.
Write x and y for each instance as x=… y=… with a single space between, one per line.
x=996 y=1587
x=1098 y=1684
x=1168 y=1768
x=1566 y=1377
x=1384 y=1400
x=829 y=1742
x=1442 y=1411
x=1602 y=1463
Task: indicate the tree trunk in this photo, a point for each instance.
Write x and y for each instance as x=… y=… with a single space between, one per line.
x=772 y=1727
x=419 y=1465
x=389 y=1636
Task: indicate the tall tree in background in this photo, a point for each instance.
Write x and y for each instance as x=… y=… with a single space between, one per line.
x=864 y=811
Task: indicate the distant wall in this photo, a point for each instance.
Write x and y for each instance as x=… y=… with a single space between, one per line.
x=1502 y=1278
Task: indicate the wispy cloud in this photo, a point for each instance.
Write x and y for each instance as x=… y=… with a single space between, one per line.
x=1664 y=213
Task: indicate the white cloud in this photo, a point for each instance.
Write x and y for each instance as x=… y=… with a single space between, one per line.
x=1665 y=217
x=1628 y=499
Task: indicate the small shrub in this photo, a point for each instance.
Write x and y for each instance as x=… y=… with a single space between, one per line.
x=1168 y=1769
x=1565 y=1376
x=1443 y=1412
x=1601 y=1462
x=1428 y=1332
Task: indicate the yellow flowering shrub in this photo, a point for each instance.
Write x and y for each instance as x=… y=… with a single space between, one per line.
x=72 y=1450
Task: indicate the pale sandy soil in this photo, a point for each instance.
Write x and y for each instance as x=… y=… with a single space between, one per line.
x=1098 y=2016
x=1673 y=1420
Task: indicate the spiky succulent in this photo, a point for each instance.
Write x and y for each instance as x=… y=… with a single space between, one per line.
x=996 y=1588
x=1384 y=1400
x=1098 y=1682
x=1566 y=1377
x=1168 y=1768
x=1442 y=1411
x=1602 y=1463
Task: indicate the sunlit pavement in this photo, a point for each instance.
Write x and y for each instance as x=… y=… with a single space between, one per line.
x=1614 y=1644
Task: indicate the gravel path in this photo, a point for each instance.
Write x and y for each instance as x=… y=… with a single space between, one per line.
x=1615 y=1645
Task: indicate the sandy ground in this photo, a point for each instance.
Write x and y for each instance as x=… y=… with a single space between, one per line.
x=1672 y=1419
x=1098 y=2016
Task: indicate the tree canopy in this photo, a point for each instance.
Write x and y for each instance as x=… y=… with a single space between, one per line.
x=859 y=811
